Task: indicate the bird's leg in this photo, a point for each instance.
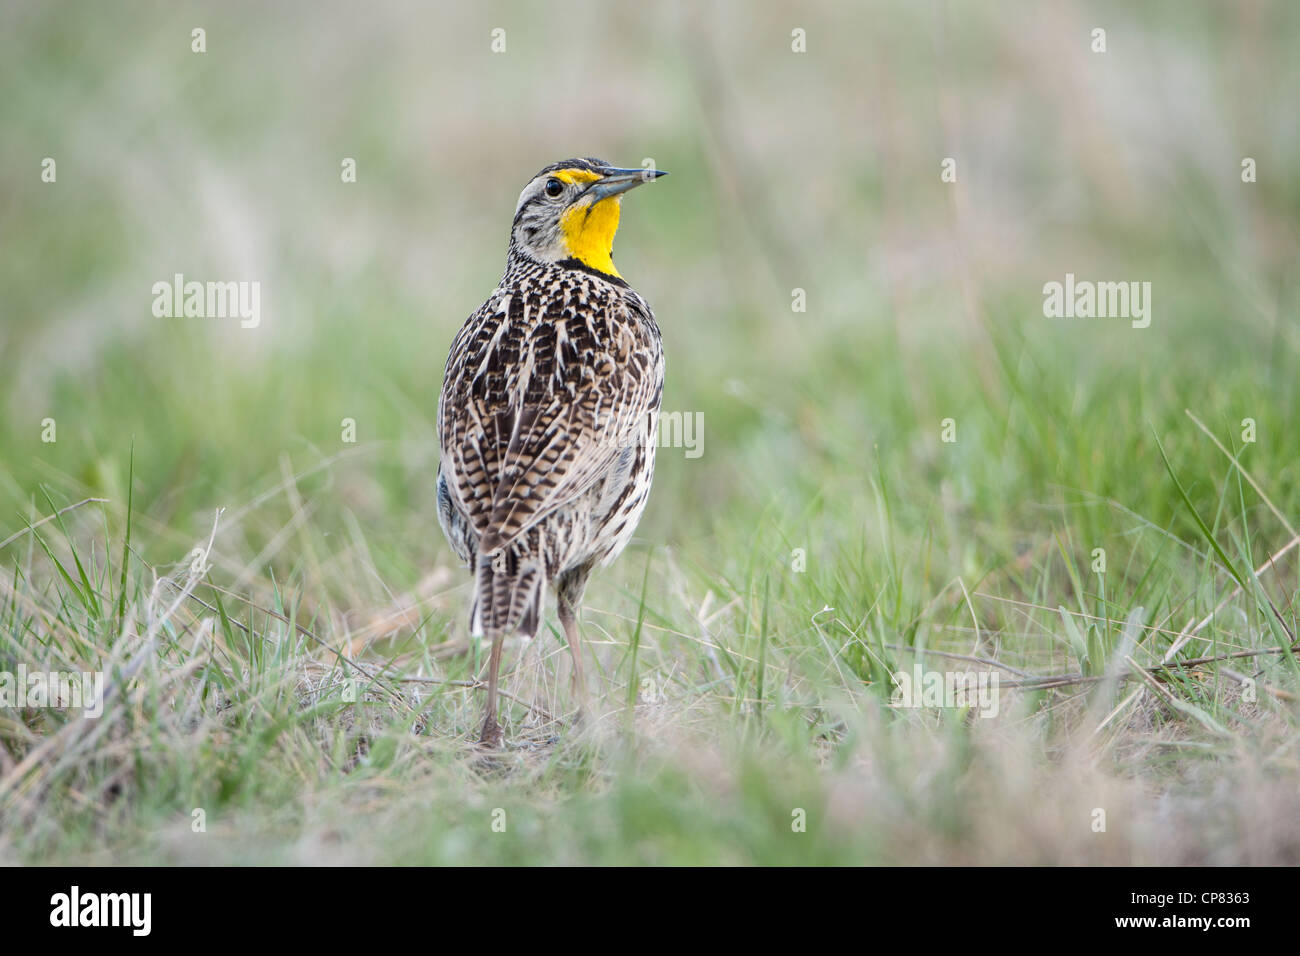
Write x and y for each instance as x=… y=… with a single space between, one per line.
x=492 y=735
x=573 y=636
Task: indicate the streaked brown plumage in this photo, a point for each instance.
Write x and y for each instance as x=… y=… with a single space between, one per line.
x=549 y=413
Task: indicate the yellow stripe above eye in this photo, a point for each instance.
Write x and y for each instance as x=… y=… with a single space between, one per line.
x=575 y=176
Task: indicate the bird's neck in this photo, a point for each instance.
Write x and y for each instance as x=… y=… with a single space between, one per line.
x=588 y=233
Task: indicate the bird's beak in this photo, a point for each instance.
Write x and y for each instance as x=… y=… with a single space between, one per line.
x=618 y=181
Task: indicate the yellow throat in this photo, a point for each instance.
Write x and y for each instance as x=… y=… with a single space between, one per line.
x=589 y=234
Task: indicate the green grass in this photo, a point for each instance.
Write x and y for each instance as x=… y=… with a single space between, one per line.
x=306 y=680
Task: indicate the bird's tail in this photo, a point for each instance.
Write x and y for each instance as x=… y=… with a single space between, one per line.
x=508 y=593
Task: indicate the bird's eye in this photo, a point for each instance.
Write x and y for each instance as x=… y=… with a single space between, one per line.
x=554 y=187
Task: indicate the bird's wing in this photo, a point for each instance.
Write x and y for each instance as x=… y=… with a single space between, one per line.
x=539 y=411
x=469 y=426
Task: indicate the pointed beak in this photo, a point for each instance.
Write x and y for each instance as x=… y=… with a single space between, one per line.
x=618 y=181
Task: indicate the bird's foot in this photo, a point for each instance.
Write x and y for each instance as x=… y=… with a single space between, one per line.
x=584 y=704
x=492 y=736
x=580 y=720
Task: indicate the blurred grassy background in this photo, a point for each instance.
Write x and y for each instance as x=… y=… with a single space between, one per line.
x=817 y=171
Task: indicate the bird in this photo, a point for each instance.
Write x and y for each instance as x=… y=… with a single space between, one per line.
x=548 y=415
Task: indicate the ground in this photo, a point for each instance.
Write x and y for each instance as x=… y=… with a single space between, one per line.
x=889 y=457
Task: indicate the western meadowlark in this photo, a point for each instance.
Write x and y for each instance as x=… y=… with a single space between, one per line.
x=549 y=413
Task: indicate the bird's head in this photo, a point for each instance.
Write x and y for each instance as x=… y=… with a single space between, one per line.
x=569 y=213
